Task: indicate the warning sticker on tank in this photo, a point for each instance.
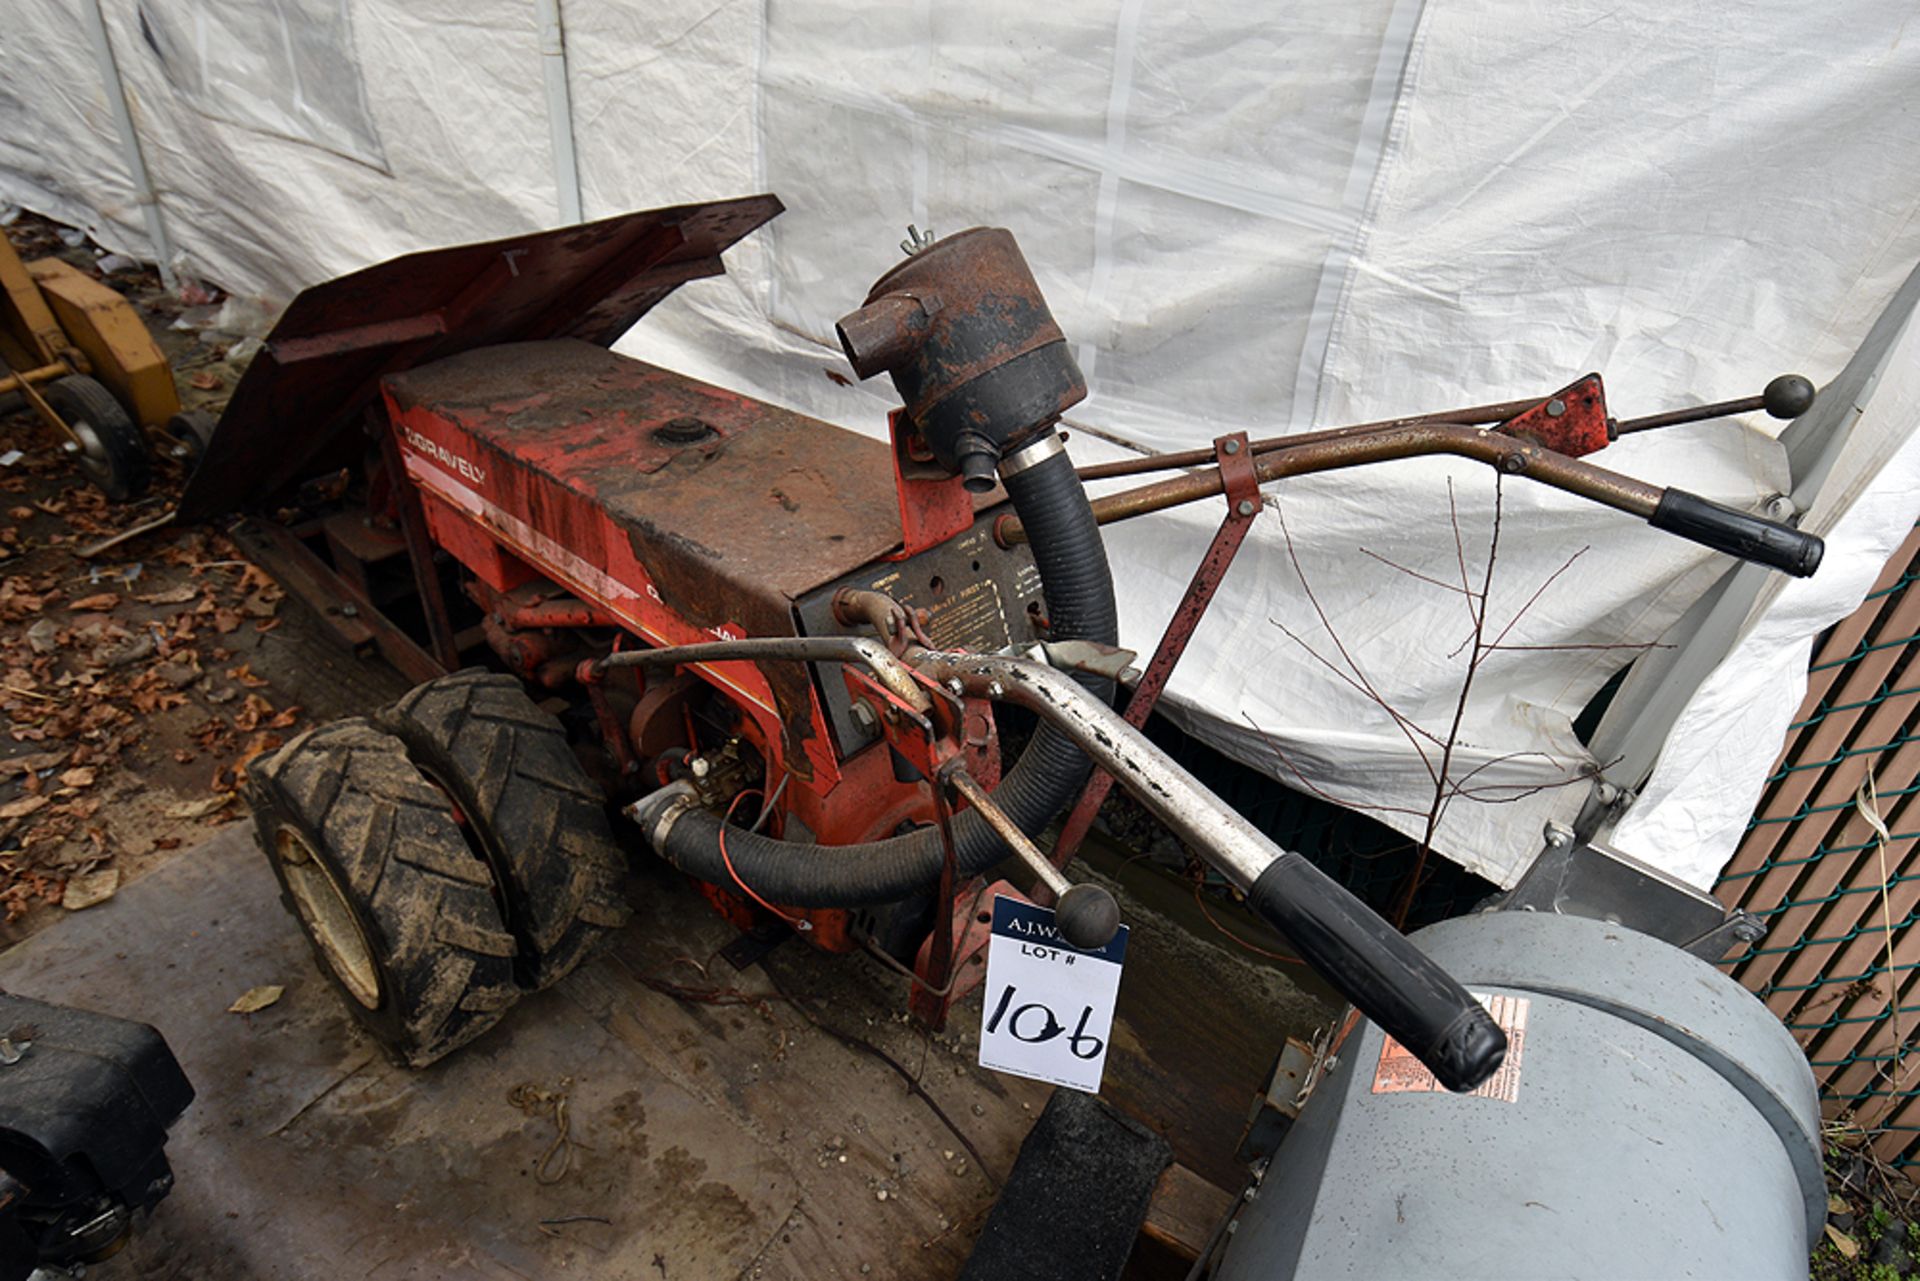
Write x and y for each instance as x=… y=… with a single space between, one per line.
x=1400 y=1073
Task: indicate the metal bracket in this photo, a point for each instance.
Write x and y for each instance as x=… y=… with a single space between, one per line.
x=1234 y=458
x=1086 y=656
x=1574 y=877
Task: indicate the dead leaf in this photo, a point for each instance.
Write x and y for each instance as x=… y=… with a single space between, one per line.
x=244 y=674
x=95 y=604
x=173 y=596
x=255 y=999
x=89 y=888
x=1842 y=1242
x=200 y=808
x=22 y=807
x=252 y=712
x=33 y=764
x=79 y=777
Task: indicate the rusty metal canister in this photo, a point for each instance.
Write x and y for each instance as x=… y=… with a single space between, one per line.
x=975 y=353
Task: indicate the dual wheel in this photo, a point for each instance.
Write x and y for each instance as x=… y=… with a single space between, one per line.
x=443 y=857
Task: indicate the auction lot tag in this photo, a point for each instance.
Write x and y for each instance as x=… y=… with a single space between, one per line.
x=1049 y=1006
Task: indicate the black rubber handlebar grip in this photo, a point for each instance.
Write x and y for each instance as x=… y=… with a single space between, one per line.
x=1738 y=533
x=1386 y=977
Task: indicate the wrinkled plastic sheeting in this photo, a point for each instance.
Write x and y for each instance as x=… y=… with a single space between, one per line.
x=287 y=68
x=1694 y=810
x=1244 y=219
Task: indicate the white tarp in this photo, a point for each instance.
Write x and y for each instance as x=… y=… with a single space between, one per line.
x=1244 y=218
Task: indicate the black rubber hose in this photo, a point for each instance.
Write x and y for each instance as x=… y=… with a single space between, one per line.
x=1052 y=506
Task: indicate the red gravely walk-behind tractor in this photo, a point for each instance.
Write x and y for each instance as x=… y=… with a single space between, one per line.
x=777 y=645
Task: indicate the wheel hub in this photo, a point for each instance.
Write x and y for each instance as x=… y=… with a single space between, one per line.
x=328 y=917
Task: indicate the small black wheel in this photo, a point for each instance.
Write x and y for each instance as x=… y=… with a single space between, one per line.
x=107 y=444
x=187 y=434
x=398 y=908
x=530 y=808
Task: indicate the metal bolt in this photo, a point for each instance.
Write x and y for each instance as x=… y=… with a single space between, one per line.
x=1231 y=447
x=1513 y=464
x=1244 y=507
x=1558 y=834
x=955 y=688
x=10 y=1053
x=1782 y=508
x=863 y=716
x=700 y=767
x=915 y=242
x=1607 y=793
x=1556 y=407
x=70 y=446
x=994 y=690
x=350 y=611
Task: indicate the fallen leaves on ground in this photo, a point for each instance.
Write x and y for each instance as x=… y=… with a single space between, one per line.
x=255 y=999
x=87 y=664
x=89 y=888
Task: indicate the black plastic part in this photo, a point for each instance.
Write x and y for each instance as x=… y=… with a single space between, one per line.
x=83 y=1120
x=1074 y=1203
x=1787 y=396
x=998 y=406
x=1087 y=917
x=1386 y=977
x=1738 y=533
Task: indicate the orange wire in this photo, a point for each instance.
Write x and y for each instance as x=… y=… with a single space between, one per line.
x=1251 y=947
x=797 y=922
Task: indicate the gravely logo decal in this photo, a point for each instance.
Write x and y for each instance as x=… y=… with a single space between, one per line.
x=444 y=456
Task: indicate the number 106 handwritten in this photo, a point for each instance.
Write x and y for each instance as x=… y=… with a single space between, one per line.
x=1036 y=1023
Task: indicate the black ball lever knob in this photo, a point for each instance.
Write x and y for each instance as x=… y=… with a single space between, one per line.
x=1787 y=396
x=1087 y=917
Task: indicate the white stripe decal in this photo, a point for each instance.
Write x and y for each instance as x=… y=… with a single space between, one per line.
x=601 y=588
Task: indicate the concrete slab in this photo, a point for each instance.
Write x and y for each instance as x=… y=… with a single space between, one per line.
x=724 y=1123
x=307 y=1155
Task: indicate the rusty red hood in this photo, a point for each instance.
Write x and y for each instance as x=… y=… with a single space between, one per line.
x=297 y=412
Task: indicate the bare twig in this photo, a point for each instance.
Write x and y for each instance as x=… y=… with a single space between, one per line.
x=1441 y=797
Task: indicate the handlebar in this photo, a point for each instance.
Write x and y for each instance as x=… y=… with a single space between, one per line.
x=1377 y=968
x=1367 y=961
x=1738 y=533
x=1384 y=975
x=1722 y=528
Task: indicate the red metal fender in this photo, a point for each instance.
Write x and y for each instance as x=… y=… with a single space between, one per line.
x=298 y=409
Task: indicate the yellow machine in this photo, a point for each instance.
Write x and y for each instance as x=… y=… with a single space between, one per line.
x=81 y=356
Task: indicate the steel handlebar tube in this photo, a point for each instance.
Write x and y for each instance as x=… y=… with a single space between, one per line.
x=1475 y=414
x=1349 y=447
x=1232 y=845
x=1385 y=976
x=870 y=653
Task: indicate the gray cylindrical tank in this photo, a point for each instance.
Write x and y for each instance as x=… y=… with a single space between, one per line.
x=1662 y=1123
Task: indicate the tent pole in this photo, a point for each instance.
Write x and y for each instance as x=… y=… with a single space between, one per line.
x=553 y=57
x=130 y=141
